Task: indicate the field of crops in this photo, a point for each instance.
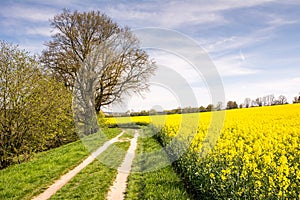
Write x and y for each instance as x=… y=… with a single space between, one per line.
x=255 y=153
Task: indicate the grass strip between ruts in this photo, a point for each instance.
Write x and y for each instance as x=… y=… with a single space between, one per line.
x=159 y=183
x=94 y=181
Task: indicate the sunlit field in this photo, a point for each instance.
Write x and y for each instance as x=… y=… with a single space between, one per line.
x=257 y=153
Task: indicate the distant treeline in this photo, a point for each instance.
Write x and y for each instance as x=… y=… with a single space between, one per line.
x=268 y=100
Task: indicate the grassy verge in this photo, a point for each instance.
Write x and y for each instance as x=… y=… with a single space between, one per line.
x=129 y=134
x=92 y=142
x=29 y=179
x=160 y=183
x=94 y=181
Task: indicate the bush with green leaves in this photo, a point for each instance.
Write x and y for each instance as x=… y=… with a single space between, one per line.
x=35 y=109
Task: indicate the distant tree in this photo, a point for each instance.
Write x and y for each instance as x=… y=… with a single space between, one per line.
x=282 y=99
x=219 y=106
x=190 y=109
x=241 y=105
x=247 y=102
x=173 y=111
x=194 y=110
x=177 y=110
x=264 y=100
x=186 y=109
x=259 y=101
x=235 y=105
x=127 y=113
x=271 y=99
x=296 y=99
x=202 y=109
x=210 y=107
x=111 y=54
x=168 y=112
x=231 y=105
x=144 y=113
x=253 y=103
x=152 y=112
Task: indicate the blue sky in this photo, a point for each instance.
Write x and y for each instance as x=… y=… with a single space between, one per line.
x=255 y=45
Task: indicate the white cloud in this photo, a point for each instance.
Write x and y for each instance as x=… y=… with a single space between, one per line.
x=42 y=31
x=241 y=89
x=235 y=42
x=277 y=21
x=175 y=14
x=234 y=65
x=26 y=12
x=287 y=86
x=157 y=97
x=179 y=14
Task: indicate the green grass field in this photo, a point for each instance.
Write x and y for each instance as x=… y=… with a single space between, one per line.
x=94 y=181
x=159 y=182
x=28 y=179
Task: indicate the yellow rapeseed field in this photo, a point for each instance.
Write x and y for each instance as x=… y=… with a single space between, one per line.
x=256 y=155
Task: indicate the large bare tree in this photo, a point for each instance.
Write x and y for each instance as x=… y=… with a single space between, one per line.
x=119 y=65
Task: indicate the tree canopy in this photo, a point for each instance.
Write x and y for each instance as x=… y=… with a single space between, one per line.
x=92 y=40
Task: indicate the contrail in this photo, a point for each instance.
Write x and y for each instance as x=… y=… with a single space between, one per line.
x=242 y=55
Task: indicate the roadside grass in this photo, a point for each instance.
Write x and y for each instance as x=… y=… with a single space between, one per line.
x=29 y=179
x=159 y=182
x=129 y=134
x=94 y=181
x=94 y=141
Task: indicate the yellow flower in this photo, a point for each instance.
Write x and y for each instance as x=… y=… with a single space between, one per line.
x=223 y=177
x=259 y=145
x=212 y=176
x=257 y=184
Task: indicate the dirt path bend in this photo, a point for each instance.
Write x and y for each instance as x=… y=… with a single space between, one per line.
x=118 y=189
x=58 y=184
